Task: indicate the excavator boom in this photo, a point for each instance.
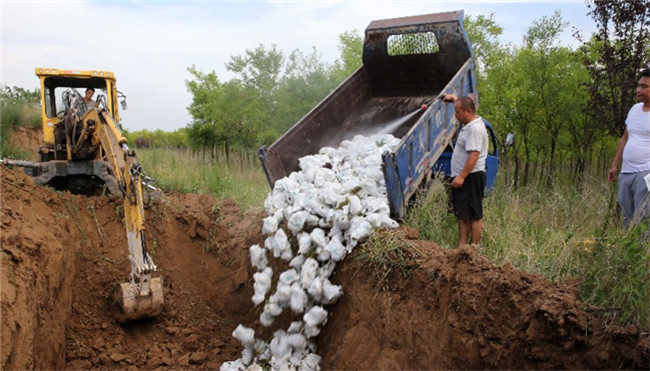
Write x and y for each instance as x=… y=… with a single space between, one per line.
x=142 y=296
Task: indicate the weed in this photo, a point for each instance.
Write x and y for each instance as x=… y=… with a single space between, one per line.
x=119 y=213
x=91 y=210
x=16 y=112
x=211 y=245
x=9 y=265
x=81 y=255
x=386 y=251
x=74 y=214
x=619 y=276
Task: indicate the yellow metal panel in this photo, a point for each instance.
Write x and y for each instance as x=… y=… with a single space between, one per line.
x=40 y=71
x=48 y=124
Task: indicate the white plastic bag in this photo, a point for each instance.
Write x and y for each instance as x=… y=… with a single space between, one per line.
x=245 y=335
x=297 y=221
x=262 y=284
x=258 y=257
x=270 y=225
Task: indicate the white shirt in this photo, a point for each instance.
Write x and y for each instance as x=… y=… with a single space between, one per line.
x=472 y=137
x=636 y=154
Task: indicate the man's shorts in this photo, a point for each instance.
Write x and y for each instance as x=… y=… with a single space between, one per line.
x=467 y=200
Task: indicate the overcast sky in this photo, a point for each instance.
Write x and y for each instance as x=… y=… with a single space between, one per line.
x=150 y=44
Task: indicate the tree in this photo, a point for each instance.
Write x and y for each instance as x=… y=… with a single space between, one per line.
x=260 y=69
x=306 y=82
x=535 y=91
x=205 y=90
x=549 y=66
x=613 y=56
x=483 y=32
x=17 y=93
x=228 y=114
x=239 y=116
x=350 y=54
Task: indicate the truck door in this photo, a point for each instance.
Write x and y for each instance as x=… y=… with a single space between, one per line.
x=492 y=160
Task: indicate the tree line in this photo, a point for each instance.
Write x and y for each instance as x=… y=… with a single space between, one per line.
x=269 y=93
x=566 y=106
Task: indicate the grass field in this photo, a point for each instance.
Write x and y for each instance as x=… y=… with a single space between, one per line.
x=185 y=171
x=13 y=114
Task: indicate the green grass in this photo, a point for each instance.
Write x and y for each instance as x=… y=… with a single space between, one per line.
x=387 y=251
x=183 y=171
x=617 y=277
x=561 y=233
x=13 y=114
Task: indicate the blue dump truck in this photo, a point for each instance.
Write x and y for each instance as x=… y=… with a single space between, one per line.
x=408 y=64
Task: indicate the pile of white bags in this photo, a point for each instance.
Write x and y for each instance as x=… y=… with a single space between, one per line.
x=332 y=204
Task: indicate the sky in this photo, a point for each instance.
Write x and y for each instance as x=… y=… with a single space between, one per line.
x=150 y=44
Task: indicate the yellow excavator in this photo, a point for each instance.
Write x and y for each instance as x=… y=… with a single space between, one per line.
x=85 y=152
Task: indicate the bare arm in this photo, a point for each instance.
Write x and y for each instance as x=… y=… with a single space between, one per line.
x=469 y=165
x=618 y=157
x=449 y=98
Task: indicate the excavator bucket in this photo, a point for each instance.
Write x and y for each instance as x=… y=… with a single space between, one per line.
x=130 y=303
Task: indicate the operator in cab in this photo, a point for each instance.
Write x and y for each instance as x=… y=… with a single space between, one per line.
x=88 y=98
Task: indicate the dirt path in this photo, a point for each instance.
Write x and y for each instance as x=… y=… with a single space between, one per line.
x=62 y=254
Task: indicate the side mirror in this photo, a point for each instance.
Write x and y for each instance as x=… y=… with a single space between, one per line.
x=123 y=102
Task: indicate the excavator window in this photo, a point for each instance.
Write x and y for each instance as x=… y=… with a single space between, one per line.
x=55 y=106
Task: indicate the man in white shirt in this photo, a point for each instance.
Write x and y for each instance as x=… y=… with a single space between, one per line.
x=633 y=151
x=468 y=169
x=88 y=98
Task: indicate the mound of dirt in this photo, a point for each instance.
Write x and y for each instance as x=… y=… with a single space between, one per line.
x=62 y=255
x=456 y=310
x=29 y=139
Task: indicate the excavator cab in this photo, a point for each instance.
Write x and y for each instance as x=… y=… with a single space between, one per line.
x=62 y=93
x=84 y=151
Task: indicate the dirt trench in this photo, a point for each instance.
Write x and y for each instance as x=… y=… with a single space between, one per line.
x=62 y=254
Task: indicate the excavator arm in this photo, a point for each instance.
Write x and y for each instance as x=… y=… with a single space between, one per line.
x=142 y=296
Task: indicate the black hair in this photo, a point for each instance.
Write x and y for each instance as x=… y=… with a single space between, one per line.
x=645 y=72
x=466 y=102
x=90 y=88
